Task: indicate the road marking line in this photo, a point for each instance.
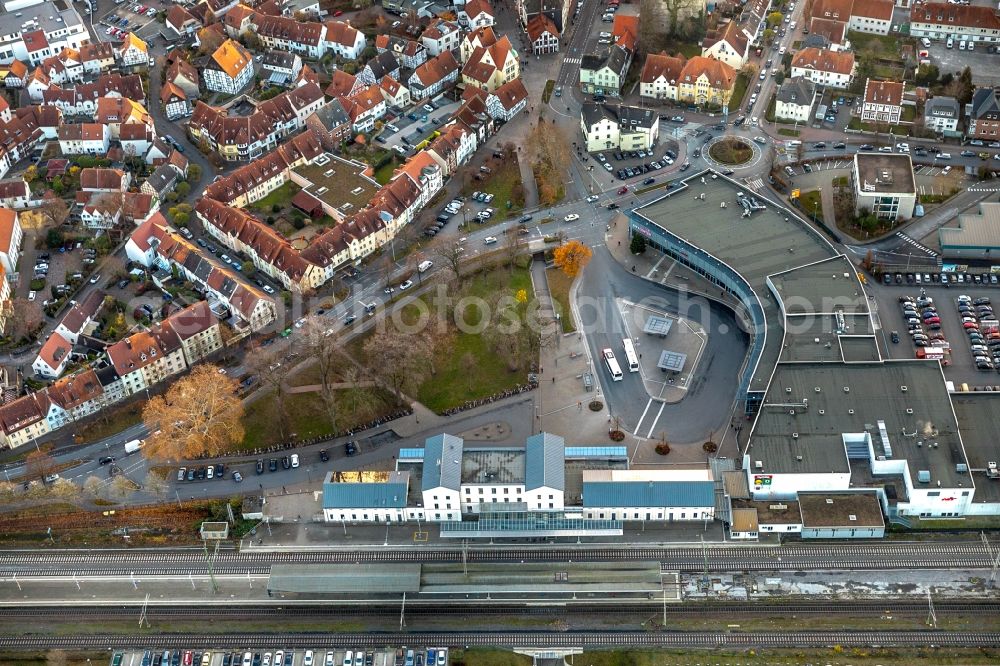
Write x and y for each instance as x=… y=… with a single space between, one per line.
x=648 y=403
x=655 y=267
x=653 y=425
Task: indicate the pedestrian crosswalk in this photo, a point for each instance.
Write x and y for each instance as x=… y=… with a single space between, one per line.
x=754 y=183
x=572 y=61
x=915 y=244
x=982 y=187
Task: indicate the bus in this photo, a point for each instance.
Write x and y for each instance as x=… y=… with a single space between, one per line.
x=612 y=363
x=630 y=357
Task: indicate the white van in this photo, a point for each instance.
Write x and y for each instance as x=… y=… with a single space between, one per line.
x=950 y=43
x=961 y=45
x=944 y=156
x=424 y=265
x=926 y=42
x=349 y=658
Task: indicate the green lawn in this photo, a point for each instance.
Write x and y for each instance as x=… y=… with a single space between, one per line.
x=307 y=416
x=886 y=46
x=559 y=286
x=281 y=196
x=550 y=85
x=898 y=130
x=454 y=383
x=504 y=184
x=739 y=90
x=784 y=131
x=109 y=422
x=812 y=204
x=383 y=174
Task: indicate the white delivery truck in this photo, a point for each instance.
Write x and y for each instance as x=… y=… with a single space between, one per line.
x=133 y=446
x=424 y=265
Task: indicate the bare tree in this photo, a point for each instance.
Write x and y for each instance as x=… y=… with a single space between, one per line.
x=513 y=246
x=23 y=320
x=396 y=361
x=155 y=483
x=64 y=489
x=452 y=253
x=39 y=464
x=92 y=486
x=121 y=487
x=325 y=352
x=272 y=371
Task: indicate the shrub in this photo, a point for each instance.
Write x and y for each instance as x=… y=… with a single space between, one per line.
x=638 y=244
x=663 y=448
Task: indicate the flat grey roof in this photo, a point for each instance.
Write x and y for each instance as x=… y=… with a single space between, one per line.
x=573 y=493
x=493 y=466
x=824 y=287
x=817 y=338
x=344 y=578
x=671 y=361
x=773 y=512
x=873 y=393
x=976 y=414
x=859 y=348
x=656 y=325
x=50 y=16
x=978 y=229
x=884 y=173
x=529 y=577
x=840 y=510
x=770 y=241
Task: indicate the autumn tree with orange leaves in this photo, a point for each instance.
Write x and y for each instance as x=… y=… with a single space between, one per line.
x=571 y=257
x=199 y=415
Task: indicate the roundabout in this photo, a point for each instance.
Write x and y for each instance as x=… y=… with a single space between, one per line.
x=732 y=152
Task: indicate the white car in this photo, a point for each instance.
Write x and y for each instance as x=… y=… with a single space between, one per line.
x=571 y=217
x=295 y=460
x=300 y=323
x=268 y=289
x=608 y=167
x=307 y=660
x=406 y=285
x=31 y=295
x=490 y=240
x=592 y=198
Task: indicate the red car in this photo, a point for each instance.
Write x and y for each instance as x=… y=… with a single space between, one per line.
x=339 y=12
x=623 y=190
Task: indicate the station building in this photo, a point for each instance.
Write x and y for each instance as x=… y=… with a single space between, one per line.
x=543 y=486
x=829 y=412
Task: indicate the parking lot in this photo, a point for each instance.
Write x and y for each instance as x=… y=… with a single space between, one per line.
x=943 y=327
x=126 y=17
x=415 y=125
x=314 y=657
x=627 y=164
x=954 y=60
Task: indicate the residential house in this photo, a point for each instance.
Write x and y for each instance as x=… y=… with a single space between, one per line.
x=80 y=316
x=344 y=40
x=52 y=357
x=824 y=67
x=181 y=21
x=883 y=102
x=175 y=102
x=14 y=193
x=17 y=74
x=95 y=179
x=608 y=127
x=507 y=101
x=476 y=14
x=383 y=64
x=871 y=16
x=137 y=207
x=795 y=99
x=198 y=330
x=479 y=38
x=660 y=76
x=23 y=420
x=102 y=210
x=940 y=20
x=185 y=76
x=364 y=108
x=163 y=180
x=11 y=236
x=729 y=44
x=133 y=51
x=453 y=148
x=41 y=32
x=982 y=115
x=706 y=81
x=557 y=11
x=343 y=84
x=331 y=125
x=491 y=67
x=84 y=139
x=74 y=397
x=238 y=21
x=441 y=36
x=434 y=76
x=146 y=358
x=395 y=93
x=826 y=34
x=603 y=72
x=543 y=35
x=97 y=57
x=942 y=114
x=280 y=68
x=409 y=53
x=288 y=34
x=229 y=69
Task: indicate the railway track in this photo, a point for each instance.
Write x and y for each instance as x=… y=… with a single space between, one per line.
x=867 y=556
x=514 y=639
x=688 y=609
